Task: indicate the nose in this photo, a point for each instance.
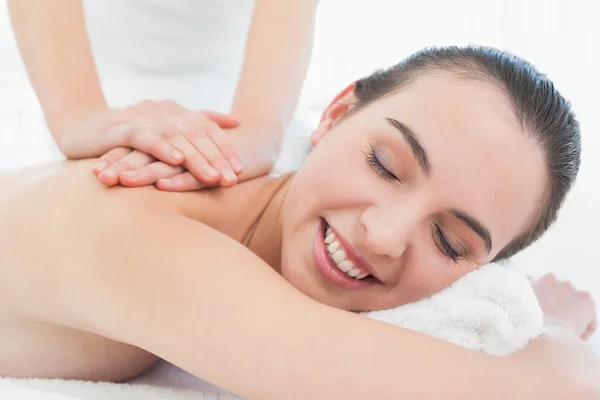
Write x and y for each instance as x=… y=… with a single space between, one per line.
x=388 y=232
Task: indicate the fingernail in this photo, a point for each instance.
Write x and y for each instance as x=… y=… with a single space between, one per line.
x=101 y=166
x=166 y=181
x=131 y=174
x=109 y=173
x=228 y=175
x=175 y=155
x=236 y=164
x=210 y=171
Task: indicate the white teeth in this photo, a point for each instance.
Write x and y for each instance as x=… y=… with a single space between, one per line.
x=330 y=238
x=338 y=256
x=346 y=265
x=333 y=246
x=354 y=272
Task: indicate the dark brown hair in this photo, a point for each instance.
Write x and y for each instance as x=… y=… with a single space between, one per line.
x=540 y=110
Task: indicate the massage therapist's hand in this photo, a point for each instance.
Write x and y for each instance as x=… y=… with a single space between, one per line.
x=257 y=150
x=164 y=130
x=563 y=304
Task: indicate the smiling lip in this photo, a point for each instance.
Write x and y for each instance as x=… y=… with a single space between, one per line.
x=353 y=254
x=328 y=269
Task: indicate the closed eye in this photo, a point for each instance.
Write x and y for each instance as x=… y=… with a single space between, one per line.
x=446 y=247
x=373 y=161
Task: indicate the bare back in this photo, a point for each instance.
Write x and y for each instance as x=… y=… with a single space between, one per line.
x=49 y=215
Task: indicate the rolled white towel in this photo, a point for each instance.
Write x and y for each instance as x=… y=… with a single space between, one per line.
x=493 y=309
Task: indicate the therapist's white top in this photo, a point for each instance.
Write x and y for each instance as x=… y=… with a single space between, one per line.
x=187 y=50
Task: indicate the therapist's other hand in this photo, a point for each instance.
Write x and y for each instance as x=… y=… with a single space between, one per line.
x=257 y=147
x=165 y=131
x=563 y=304
x=258 y=152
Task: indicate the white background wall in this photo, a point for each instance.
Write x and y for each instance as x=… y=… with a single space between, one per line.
x=355 y=37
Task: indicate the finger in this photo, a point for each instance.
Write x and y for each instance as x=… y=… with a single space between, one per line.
x=224 y=145
x=149 y=141
x=195 y=162
x=131 y=161
x=590 y=330
x=110 y=158
x=202 y=151
x=180 y=183
x=149 y=174
x=223 y=120
x=204 y=144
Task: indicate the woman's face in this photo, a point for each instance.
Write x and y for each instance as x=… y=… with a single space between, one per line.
x=416 y=190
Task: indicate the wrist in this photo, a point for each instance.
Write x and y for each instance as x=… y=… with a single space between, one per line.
x=75 y=132
x=61 y=120
x=269 y=135
x=267 y=130
x=258 y=149
x=271 y=128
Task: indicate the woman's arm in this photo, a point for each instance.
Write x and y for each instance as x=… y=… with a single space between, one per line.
x=55 y=48
x=54 y=45
x=56 y=51
x=195 y=297
x=277 y=55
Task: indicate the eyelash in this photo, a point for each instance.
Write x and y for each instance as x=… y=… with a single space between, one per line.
x=373 y=161
x=448 y=250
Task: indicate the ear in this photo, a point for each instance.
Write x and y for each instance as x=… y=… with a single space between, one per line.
x=336 y=109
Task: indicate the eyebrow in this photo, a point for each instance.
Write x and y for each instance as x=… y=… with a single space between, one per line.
x=417 y=149
x=421 y=156
x=476 y=226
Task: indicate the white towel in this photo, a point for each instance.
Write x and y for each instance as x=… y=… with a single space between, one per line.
x=493 y=309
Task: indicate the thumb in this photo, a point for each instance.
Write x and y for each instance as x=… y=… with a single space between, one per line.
x=223 y=120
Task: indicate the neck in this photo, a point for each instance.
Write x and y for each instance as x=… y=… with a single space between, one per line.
x=265 y=239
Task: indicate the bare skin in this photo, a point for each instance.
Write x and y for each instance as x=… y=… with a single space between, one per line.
x=186 y=276
x=54 y=44
x=38 y=348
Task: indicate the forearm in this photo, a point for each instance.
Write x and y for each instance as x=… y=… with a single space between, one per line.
x=299 y=350
x=276 y=60
x=54 y=46
x=222 y=314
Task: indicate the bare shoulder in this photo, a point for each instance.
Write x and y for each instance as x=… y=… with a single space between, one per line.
x=69 y=188
x=77 y=252
x=59 y=225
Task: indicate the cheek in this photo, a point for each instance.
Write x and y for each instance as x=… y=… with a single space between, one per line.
x=333 y=180
x=426 y=273
x=429 y=281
